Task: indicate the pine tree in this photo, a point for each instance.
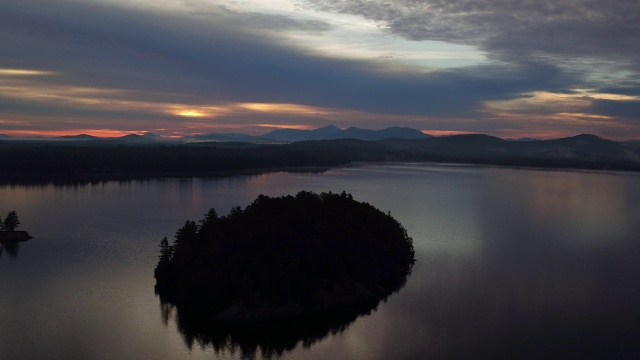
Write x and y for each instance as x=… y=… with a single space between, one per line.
x=166 y=251
x=11 y=222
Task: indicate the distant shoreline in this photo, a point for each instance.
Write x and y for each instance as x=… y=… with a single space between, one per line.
x=44 y=179
x=51 y=163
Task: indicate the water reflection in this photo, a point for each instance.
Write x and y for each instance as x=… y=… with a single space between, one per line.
x=11 y=247
x=268 y=338
x=511 y=264
x=83 y=180
x=556 y=276
x=10 y=242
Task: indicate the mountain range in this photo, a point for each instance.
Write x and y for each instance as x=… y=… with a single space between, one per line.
x=390 y=135
x=276 y=136
x=332 y=133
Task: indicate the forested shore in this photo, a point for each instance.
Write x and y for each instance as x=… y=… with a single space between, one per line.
x=42 y=161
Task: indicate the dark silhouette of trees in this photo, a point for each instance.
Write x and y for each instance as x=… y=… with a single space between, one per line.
x=12 y=248
x=307 y=253
x=86 y=161
x=9 y=237
x=280 y=260
x=208 y=224
x=166 y=251
x=11 y=222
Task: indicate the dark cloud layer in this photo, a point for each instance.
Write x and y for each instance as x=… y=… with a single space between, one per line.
x=111 y=47
x=590 y=38
x=587 y=40
x=511 y=29
x=627 y=109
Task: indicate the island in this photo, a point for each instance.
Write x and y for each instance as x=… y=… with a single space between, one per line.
x=8 y=232
x=9 y=236
x=284 y=258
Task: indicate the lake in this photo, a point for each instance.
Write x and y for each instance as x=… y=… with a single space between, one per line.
x=511 y=263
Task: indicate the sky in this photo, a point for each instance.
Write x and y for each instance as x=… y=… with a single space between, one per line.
x=508 y=68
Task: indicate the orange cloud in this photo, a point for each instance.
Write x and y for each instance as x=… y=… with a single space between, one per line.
x=286 y=108
x=287 y=126
x=568 y=115
x=446 y=132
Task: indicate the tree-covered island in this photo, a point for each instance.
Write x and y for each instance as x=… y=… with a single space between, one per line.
x=9 y=236
x=8 y=232
x=284 y=257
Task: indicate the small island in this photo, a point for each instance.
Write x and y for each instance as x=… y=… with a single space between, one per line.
x=284 y=258
x=8 y=232
x=9 y=236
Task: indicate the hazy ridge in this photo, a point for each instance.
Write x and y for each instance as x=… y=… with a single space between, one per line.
x=90 y=160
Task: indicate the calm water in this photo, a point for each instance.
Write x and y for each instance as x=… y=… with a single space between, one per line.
x=511 y=264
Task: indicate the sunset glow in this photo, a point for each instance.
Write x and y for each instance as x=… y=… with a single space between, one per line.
x=285 y=108
x=288 y=126
x=446 y=132
x=102 y=133
x=583 y=115
x=24 y=72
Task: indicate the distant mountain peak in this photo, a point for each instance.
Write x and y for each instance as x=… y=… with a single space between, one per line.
x=331 y=132
x=328 y=127
x=146 y=137
x=585 y=139
x=522 y=139
x=77 y=137
x=588 y=137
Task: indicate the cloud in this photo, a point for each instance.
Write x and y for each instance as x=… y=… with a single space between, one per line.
x=168 y=59
x=594 y=41
x=572 y=44
x=623 y=109
x=510 y=29
x=262 y=22
x=210 y=61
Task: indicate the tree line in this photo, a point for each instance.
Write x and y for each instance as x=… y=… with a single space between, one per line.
x=45 y=161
